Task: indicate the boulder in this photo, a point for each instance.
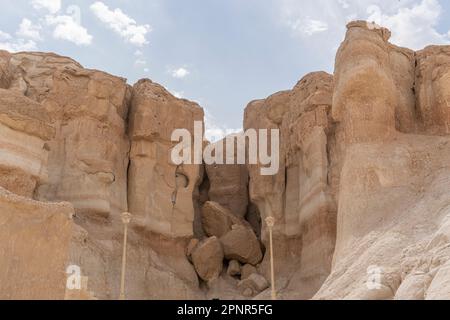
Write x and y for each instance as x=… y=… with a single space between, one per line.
x=234 y=268
x=256 y=283
x=218 y=220
x=193 y=243
x=208 y=259
x=247 y=270
x=241 y=244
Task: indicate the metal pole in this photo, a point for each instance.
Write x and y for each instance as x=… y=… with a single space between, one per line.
x=270 y=221
x=126 y=218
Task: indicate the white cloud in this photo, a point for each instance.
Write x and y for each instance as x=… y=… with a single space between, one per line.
x=215 y=130
x=53 y=6
x=141 y=62
x=15 y=45
x=29 y=30
x=309 y=26
x=177 y=94
x=413 y=22
x=180 y=73
x=413 y=27
x=8 y=44
x=4 y=36
x=122 y=24
x=67 y=28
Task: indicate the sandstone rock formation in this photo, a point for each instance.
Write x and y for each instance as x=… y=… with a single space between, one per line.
x=162 y=198
x=207 y=258
x=34 y=247
x=25 y=131
x=228 y=183
x=65 y=137
x=241 y=244
x=301 y=195
x=361 y=202
x=218 y=221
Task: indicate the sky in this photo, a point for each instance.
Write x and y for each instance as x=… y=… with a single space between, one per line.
x=220 y=53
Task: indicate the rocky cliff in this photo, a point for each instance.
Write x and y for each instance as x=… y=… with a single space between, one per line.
x=360 y=202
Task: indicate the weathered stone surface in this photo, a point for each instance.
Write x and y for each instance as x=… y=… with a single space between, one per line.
x=301 y=195
x=241 y=244
x=58 y=118
x=25 y=128
x=208 y=259
x=229 y=183
x=218 y=220
x=253 y=285
x=5 y=69
x=193 y=243
x=433 y=89
x=361 y=201
x=413 y=287
x=392 y=203
x=30 y=233
x=162 y=198
x=234 y=268
x=88 y=156
x=247 y=270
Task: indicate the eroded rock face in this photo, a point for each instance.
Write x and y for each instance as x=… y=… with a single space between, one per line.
x=30 y=233
x=88 y=155
x=162 y=198
x=25 y=129
x=301 y=195
x=433 y=89
x=392 y=203
x=229 y=184
x=361 y=201
x=63 y=133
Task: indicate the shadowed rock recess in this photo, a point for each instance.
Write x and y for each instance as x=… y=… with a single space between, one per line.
x=361 y=200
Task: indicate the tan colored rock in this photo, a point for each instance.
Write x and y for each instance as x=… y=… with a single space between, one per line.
x=433 y=89
x=208 y=259
x=229 y=184
x=30 y=233
x=5 y=69
x=301 y=197
x=439 y=288
x=162 y=198
x=413 y=287
x=24 y=131
x=253 y=285
x=234 y=268
x=241 y=244
x=247 y=270
x=87 y=166
x=88 y=156
x=361 y=201
x=224 y=288
x=193 y=243
x=391 y=213
x=218 y=220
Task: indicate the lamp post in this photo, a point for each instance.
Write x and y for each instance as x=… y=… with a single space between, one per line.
x=126 y=218
x=270 y=221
